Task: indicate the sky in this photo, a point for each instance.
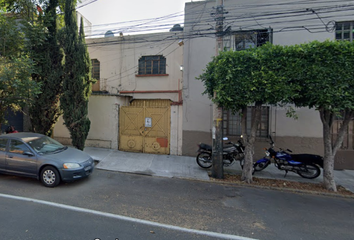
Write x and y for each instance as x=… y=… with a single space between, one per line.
x=112 y=12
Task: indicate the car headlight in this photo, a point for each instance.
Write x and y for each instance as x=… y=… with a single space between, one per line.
x=71 y=165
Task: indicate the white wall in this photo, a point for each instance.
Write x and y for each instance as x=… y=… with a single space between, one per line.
x=176 y=130
x=291 y=22
x=103 y=113
x=307 y=123
x=119 y=57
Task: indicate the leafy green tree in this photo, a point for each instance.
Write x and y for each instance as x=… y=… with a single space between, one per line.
x=45 y=50
x=244 y=78
x=325 y=73
x=16 y=86
x=317 y=75
x=11 y=39
x=77 y=82
x=24 y=9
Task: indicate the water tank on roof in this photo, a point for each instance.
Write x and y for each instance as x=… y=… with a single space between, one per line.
x=109 y=33
x=176 y=28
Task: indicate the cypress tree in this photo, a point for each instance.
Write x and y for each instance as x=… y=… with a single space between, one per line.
x=77 y=80
x=47 y=54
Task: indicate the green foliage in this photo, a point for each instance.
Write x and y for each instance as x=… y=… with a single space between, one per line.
x=17 y=89
x=11 y=39
x=316 y=75
x=326 y=81
x=243 y=78
x=44 y=49
x=77 y=82
x=16 y=86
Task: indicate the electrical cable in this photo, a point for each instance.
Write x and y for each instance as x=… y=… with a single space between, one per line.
x=282 y=18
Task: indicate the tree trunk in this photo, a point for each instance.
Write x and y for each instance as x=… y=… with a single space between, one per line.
x=249 y=141
x=330 y=149
x=328 y=166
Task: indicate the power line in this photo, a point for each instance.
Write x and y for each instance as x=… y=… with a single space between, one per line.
x=165 y=22
x=280 y=17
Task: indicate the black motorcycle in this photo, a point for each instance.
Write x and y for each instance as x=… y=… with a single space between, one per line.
x=306 y=165
x=232 y=153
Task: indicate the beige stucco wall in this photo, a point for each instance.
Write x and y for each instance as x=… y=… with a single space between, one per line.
x=306 y=124
x=176 y=130
x=103 y=113
x=119 y=56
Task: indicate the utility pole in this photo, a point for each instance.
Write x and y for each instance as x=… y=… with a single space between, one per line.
x=218 y=168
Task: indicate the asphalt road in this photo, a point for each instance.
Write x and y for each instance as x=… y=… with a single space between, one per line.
x=33 y=220
x=203 y=206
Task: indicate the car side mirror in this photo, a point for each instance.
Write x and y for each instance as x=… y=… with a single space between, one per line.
x=28 y=153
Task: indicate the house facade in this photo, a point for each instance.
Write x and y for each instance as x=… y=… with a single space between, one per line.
x=147 y=97
x=136 y=103
x=249 y=24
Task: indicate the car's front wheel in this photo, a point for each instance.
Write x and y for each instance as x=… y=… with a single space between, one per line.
x=50 y=176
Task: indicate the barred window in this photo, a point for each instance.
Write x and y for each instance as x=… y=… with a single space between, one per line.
x=344 y=31
x=241 y=40
x=95 y=69
x=151 y=65
x=232 y=123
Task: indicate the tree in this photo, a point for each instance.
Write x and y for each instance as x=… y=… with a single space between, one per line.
x=325 y=73
x=316 y=75
x=243 y=78
x=77 y=81
x=44 y=49
x=11 y=38
x=16 y=86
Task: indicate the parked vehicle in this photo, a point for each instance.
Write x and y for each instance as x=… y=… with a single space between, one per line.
x=38 y=156
x=232 y=153
x=306 y=165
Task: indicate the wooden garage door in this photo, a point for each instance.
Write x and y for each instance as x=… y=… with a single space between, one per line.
x=144 y=126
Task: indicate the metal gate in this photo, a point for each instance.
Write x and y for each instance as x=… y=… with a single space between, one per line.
x=144 y=126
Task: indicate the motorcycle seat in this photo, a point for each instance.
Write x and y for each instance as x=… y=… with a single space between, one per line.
x=206 y=146
x=308 y=159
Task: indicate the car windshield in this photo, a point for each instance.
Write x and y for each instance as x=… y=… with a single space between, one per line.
x=43 y=145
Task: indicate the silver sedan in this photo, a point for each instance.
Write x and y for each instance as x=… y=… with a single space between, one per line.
x=38 y=156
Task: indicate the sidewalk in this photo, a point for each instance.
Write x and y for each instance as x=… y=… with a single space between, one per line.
x=186 y=167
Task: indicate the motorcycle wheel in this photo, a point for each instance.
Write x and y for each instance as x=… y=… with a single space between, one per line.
x=204 y=160
x=309 y=171
x=260 y=166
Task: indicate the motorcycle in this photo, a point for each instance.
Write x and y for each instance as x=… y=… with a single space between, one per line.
x=306 y=165
x=231 y=154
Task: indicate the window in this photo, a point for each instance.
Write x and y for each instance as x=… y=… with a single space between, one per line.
x=95 y=69
x=344 y=31
x=95 y=74
x=232 y=123
x=152 y=65
x=18 y=147
x=237 y=41
x=242 y=40
x=3 y=145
